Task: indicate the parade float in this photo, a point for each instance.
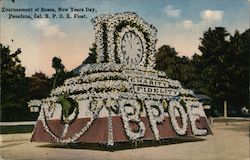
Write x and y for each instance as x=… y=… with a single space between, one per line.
x=121 y=97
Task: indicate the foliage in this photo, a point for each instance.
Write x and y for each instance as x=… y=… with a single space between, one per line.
x=57 y=64
x=92 y=55
x=224 y=67
x=59 y=68
x=14 y=87
x=221 y=71
x=214 y=49
x=17 y=89
x=238 y=69
x=61 y=74
x=12 y=72
x=39 y=86
x=175 y=67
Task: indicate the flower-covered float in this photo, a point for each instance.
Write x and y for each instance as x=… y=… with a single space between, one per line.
x=121 y=97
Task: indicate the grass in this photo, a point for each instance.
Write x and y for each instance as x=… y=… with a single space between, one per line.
x=16 y=129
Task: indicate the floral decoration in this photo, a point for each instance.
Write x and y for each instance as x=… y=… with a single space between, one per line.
x=111 y=22
x=193 y=118
x=173 y=105
x=106 y=83
x=76 y=135
x=110 y=128
x=135 y=117
x=151 y=107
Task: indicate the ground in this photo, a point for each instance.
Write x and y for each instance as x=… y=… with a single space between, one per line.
x=229 y=142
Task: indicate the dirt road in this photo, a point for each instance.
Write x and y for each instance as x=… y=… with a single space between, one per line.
x=229 y=142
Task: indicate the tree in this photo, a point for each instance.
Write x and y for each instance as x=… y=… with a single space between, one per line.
x=196 y=82
x=238 y=69
x=214 y=48
x=39 y=86
x=175 y=67
x=12 y=72
x=13 y=87
x=224 y=67
x=61 y=74
x=166 y=60
x=90 y=59
x=221 y=71
x=92 y=55
x=244 y=58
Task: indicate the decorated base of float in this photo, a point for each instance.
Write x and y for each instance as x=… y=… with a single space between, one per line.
x=121 y=97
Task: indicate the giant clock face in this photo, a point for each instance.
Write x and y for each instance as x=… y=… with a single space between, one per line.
x=131 y=47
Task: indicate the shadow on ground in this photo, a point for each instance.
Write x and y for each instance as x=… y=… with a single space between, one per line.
x=124 y=145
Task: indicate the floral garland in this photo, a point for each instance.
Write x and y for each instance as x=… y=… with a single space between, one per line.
x=113 y=67
x=74 y=84
x=49 y=103
x=110 y=129
x=135 y=117
x=193 y=118
x=95 y=105
x=144 y=96
x=103 y=76
x=101 y=67
x=76 y=135
x=70 y=89
x=154 y=118
x=110 y=104
x=171 y=110
x=92 y=96
x=95 y=77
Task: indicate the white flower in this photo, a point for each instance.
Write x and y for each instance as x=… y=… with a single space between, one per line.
x=154 y=118
x=128 y=117
x=193 y=118
x=173 y=105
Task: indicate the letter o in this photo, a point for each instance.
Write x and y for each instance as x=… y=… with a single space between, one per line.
x=171 y=110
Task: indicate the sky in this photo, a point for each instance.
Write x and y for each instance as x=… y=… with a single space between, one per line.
x=180 y=24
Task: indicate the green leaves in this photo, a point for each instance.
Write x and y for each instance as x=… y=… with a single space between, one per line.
x=57 y=65
x=175 y=67
x=12 y=72
x=221 y=66
x=221 y=71
x=14 y=86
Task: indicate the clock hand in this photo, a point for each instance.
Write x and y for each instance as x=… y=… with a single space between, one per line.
x=130 y=40
x=130 y=43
